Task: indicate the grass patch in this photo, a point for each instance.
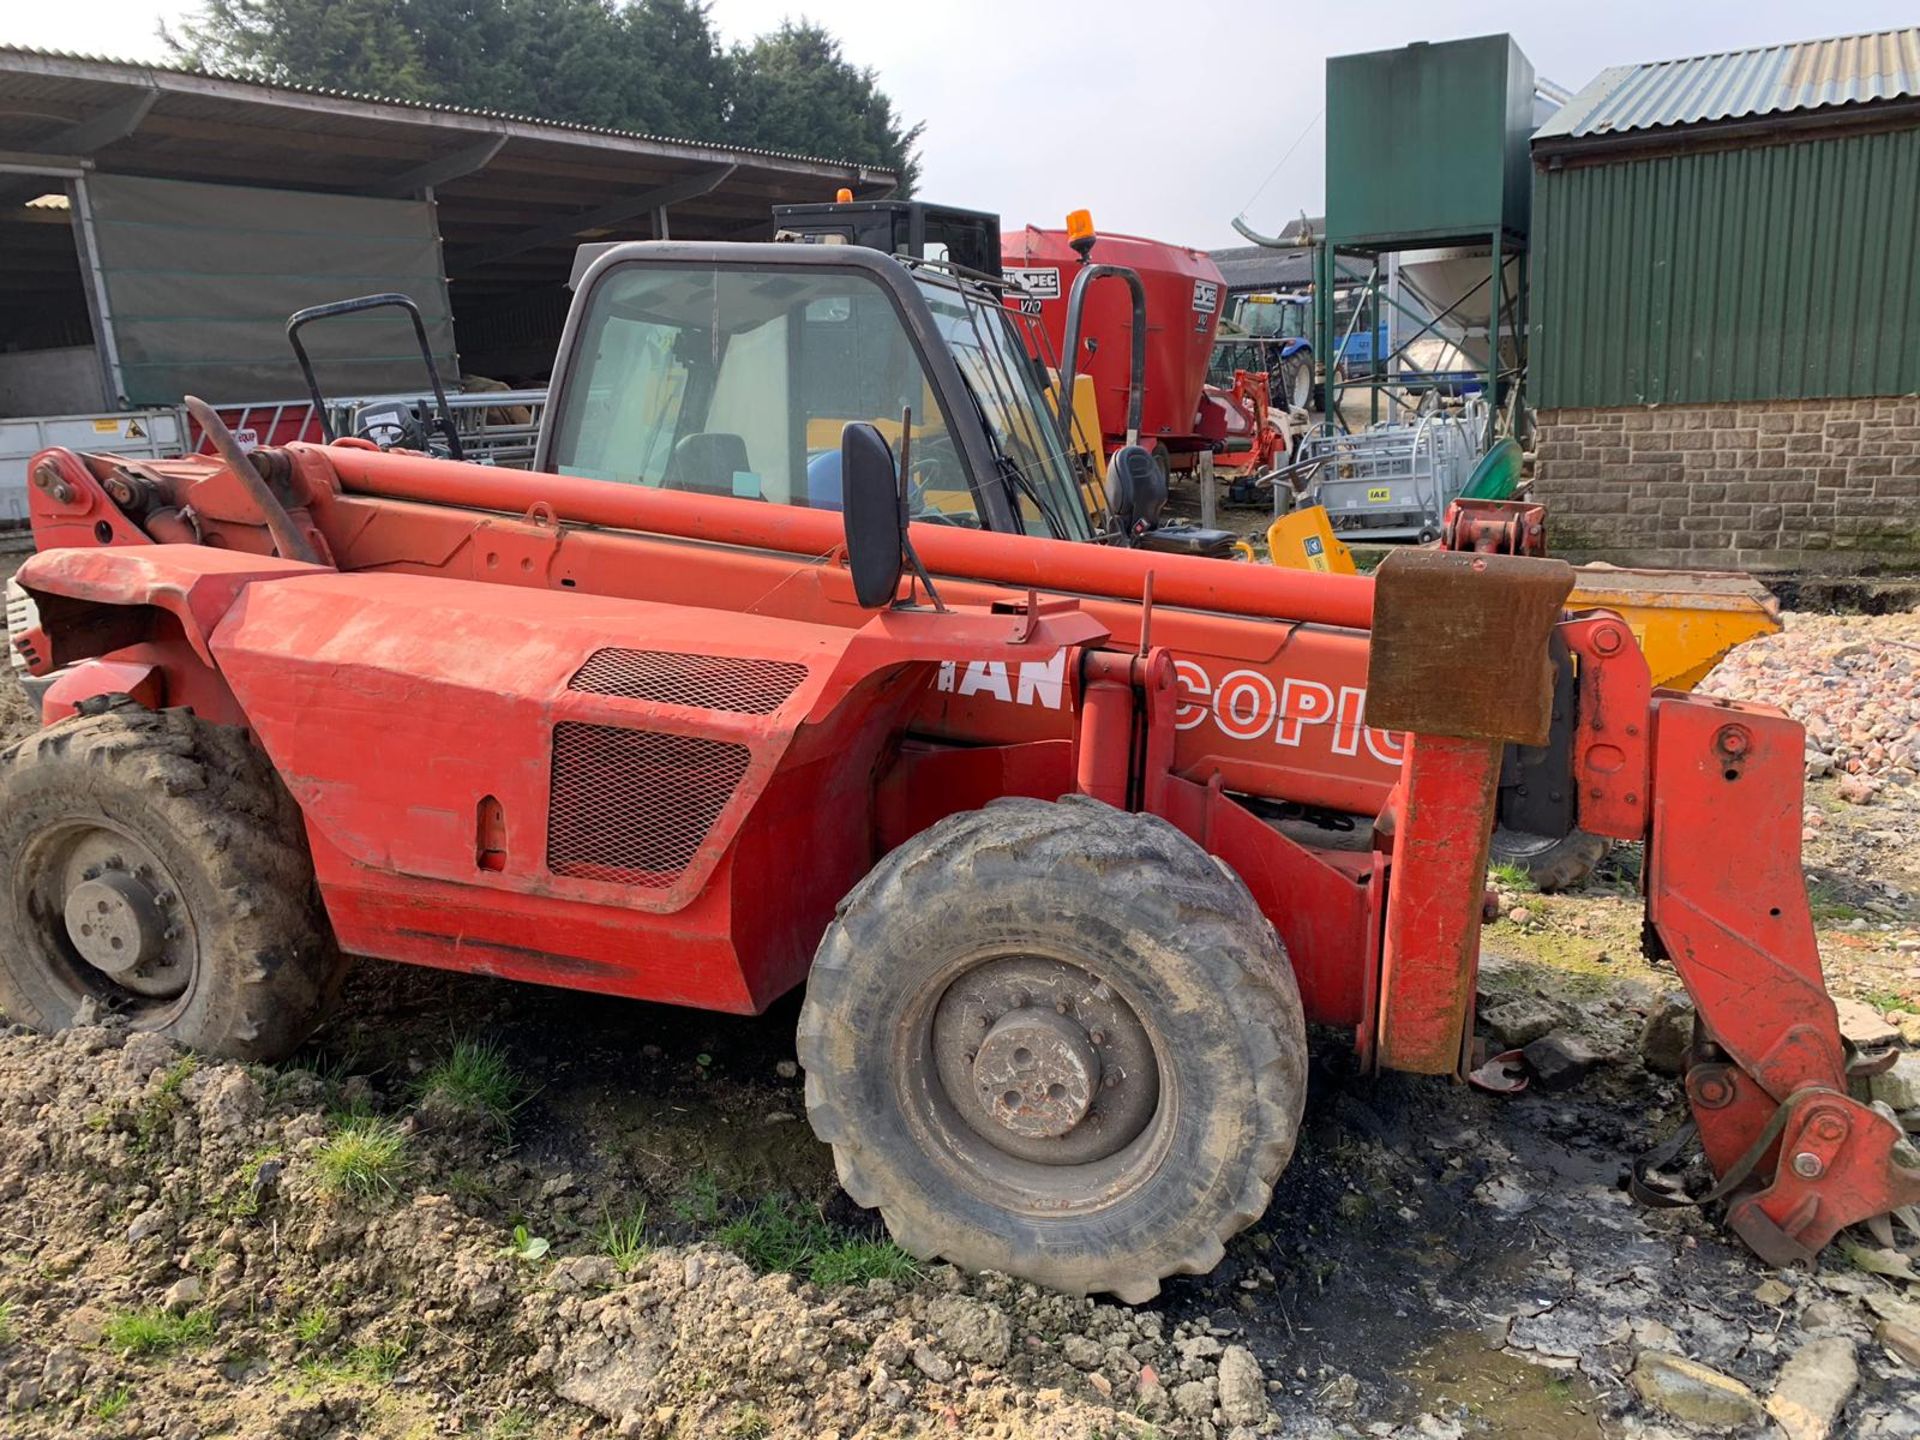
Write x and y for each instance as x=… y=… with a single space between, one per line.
x=112 y=1404
x=477 y=1077
x=8 y=1309
x=1884 y=1000
x=781 y=1235
x=749 y=1423
x=700 y=1203
x=157 y=1110
x=512 y=1424
x=242 y=1202
x=371 y=1364
x=312 y=1324
x=774 y=1236
x=156 y=1331
x=364 y=1158
x=1828 y=906
x=625 y=1241
x=854 y=1262
x=1509 y=876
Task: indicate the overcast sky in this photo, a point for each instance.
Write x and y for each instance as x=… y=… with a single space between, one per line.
x=1165 y=117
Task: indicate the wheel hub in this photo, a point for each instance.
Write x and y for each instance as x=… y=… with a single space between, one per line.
x=112 y=901
x=1044 y=1061
x=115 y=924
x=1037 y=1072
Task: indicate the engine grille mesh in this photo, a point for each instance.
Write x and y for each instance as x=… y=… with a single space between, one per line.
x=699 y=682
x=633 y=806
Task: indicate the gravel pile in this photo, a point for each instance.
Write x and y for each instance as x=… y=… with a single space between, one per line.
x=1852 y=680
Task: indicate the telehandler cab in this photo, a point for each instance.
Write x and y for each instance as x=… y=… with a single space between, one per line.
x=1067 y=842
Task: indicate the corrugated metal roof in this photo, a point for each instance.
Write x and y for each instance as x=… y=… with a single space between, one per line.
x=1772 y=80
x=155 y=74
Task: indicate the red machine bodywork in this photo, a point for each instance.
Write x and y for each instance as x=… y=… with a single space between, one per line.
x=1254 y=439
x=1185 y=293
x=463 y=755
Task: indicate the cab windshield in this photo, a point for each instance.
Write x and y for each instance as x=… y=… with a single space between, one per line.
x=1009 y=388
x=738 y=382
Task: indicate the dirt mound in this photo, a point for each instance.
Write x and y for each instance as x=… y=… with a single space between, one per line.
x=209 y=1249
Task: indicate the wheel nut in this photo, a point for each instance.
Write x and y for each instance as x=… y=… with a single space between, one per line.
x=1807 y=1165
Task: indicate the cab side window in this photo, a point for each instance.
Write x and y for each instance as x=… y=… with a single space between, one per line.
x=738 y=383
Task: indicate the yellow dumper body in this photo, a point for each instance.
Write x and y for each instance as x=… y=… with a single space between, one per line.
x=1685 y=620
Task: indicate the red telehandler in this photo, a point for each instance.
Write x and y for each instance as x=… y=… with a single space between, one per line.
x=791 y=663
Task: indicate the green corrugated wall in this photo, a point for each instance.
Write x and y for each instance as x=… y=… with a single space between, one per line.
x=1781 y=271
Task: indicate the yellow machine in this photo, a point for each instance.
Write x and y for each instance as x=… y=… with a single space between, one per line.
x=1685 y=620
x=1304 y=540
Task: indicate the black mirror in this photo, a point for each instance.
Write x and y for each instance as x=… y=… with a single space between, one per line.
x=1135 y=492
x=870 y=508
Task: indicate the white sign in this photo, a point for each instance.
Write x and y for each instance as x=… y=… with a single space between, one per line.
x=1206 y=296
x=1242 y=704
x=1040 y=283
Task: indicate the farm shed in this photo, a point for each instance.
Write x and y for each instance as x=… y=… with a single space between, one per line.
x=1727 y=309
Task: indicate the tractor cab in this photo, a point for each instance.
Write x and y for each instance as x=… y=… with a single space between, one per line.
x=733 y=370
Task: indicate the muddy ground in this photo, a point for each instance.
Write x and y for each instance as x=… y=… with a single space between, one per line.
x=610 y=1218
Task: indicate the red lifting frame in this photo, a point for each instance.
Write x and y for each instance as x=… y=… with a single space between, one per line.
x=1733 y=917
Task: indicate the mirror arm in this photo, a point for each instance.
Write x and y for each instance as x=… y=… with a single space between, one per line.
x=906 y=541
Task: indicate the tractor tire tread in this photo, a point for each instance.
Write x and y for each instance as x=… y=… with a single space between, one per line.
x=226 y=814
x=1182 y=891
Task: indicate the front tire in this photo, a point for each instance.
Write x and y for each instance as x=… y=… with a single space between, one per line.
x=1552 y=862
x=159 y=872
x=1058 y=1041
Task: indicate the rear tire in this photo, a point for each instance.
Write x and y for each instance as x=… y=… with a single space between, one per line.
x=160 y=872
x=1058 y=1041
x=1295 y=391
x=1553 y=863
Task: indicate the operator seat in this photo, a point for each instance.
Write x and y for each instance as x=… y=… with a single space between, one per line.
x=1137 y=493
x=706 y=462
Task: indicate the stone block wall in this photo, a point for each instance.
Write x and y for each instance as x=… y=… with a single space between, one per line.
x=1805 y=486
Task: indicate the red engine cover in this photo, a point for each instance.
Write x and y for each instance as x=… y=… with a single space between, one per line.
x=1184 y=294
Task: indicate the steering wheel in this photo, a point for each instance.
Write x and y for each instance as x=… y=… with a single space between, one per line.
x=936 y=462
x=391 y=427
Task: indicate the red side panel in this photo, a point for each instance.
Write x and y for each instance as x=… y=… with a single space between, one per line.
x=196 y=584
x=531 y=783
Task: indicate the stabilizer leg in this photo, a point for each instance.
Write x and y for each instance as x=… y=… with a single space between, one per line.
x=1799 y=1158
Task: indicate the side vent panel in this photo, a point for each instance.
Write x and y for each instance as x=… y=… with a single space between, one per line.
x=631 y=807
x=698 y=682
